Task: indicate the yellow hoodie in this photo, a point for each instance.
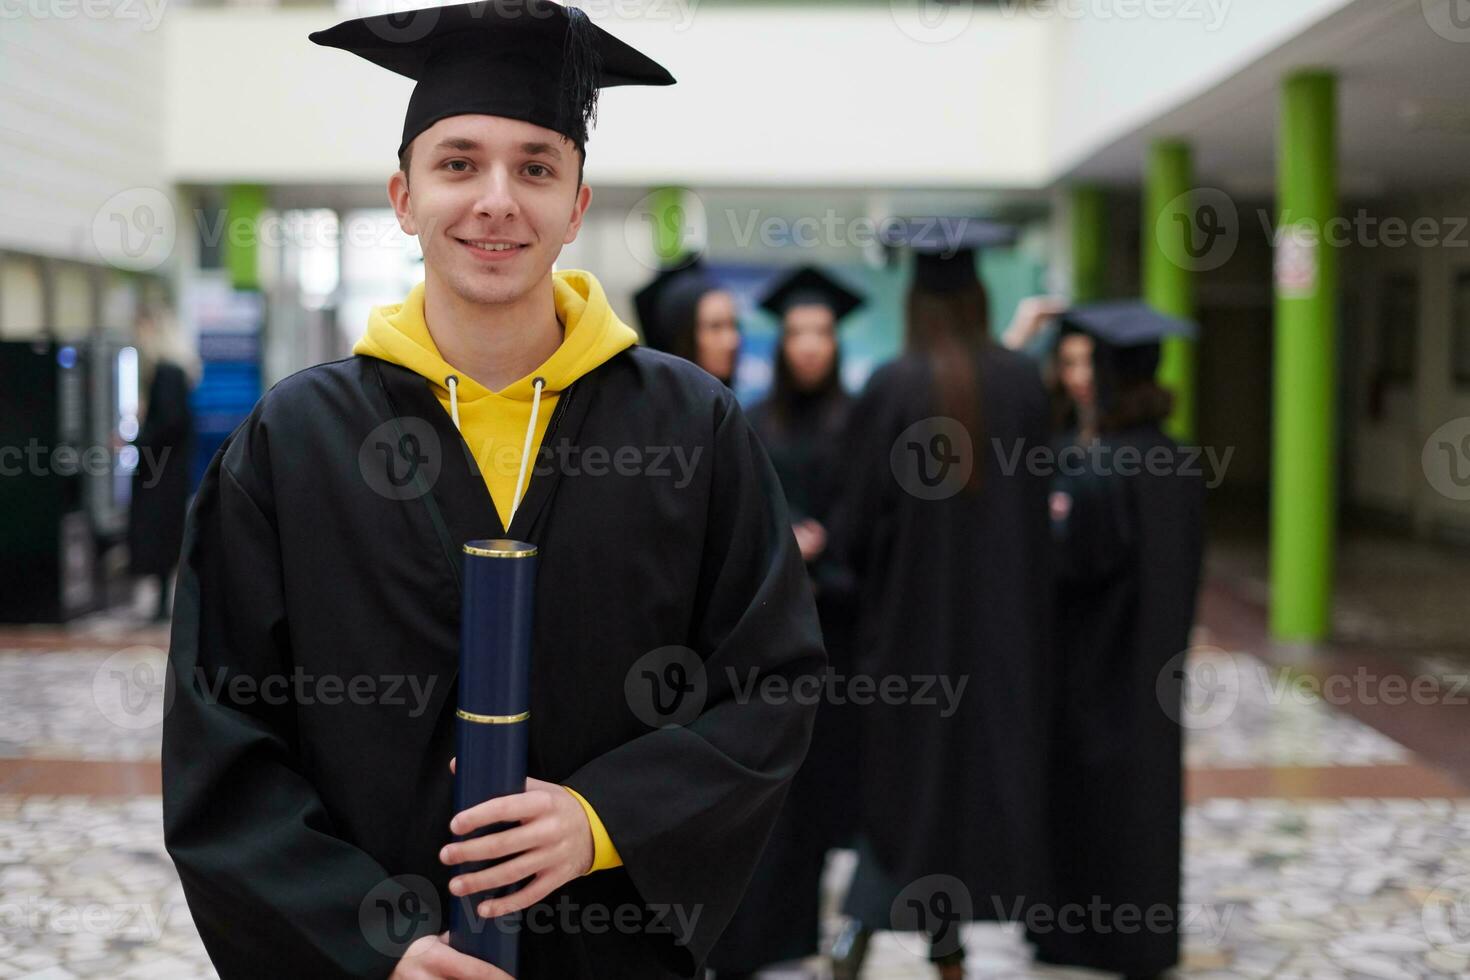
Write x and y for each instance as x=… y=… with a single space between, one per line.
x=493 y=423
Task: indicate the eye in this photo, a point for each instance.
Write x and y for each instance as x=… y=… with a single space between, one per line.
x=451 y=163
x=538 y=170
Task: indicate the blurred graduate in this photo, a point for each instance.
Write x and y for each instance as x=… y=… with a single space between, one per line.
x=1127 y=518
x=688 y=314
x=324 y=546
x=951 y=551
x=801 y=423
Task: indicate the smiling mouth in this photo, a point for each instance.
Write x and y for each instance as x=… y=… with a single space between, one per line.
x=492 y=248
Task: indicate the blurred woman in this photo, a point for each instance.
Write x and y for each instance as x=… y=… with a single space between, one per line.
x=1128 y=549
x=800 y=424
x=160 y=493
x=698 y=319
x=949 y=543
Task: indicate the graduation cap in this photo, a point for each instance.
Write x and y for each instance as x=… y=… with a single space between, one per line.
x=653 y=301
x=1126 y=335
x=810 y=286
x=532 y=60
x=944 y=248
x=1126 y=323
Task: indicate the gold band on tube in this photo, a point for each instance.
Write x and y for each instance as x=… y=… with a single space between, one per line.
x=491 y=719
x=500 y=548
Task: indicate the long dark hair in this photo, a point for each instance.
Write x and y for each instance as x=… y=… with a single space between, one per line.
x=952 y=328
x=679 y=314
x=1143 y=402
x=785 y=395
x=1124 y=384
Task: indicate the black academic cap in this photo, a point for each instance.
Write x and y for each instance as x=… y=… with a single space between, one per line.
x=810 y=286
x=1127 y=334
x=1125 y=323
x=944 y=248
x=649 y=300
x=533 y=60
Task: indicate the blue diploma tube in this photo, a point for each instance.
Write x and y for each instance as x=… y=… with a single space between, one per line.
x=492 y=733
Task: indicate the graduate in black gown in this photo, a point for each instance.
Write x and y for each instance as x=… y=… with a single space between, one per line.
x=686 y=313
x=646 y=300
x=1126 y=511
x=307 y=792
x=801 y=424
x=951 y=548
x=161 y=482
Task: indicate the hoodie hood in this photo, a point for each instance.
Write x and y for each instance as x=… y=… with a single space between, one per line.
x=399 y=334
x=497 y=425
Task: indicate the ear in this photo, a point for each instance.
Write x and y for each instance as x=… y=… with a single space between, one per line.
x=398 y=196
x=579 y=209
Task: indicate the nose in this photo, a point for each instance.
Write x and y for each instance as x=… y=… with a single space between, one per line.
x=496 y=199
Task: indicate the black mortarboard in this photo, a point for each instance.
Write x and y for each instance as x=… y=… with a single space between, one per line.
x=1125 y=323
x=944 y=248
x=1126 y=334
x=810 y=286
x=646 y=300
x=532 y=60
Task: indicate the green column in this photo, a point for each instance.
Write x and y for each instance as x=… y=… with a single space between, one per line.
x=1304 y=446
x=244 y=204
x=666 y=208
x=1167 y=281
x=1089 y=234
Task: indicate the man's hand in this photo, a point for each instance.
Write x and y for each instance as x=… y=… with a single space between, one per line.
x=552 y=845
x=432 y=958
x=811 y=538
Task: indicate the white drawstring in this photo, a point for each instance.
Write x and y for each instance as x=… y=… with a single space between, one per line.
x=536 y=386
x=452 y=382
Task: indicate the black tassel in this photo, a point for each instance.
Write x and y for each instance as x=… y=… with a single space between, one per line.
x=581 y=68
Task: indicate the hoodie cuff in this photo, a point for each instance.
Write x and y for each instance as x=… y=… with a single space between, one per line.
x=604 y=854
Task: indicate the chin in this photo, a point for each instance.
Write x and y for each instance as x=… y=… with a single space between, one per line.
x=477 y=286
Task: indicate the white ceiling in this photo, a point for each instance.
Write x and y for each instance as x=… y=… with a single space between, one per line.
x=1404 y=100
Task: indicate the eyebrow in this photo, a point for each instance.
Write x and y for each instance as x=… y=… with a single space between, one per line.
x=466 y=145
x=541 y=149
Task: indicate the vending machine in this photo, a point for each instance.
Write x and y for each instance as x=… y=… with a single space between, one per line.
x=47 y=456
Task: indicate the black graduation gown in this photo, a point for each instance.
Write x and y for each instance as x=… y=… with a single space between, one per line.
x=779 y=918
x=1129 y=553
x=160 y=494
x=957 y=588
x=303 y=558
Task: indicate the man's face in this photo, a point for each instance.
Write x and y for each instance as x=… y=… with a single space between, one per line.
x=492 y=201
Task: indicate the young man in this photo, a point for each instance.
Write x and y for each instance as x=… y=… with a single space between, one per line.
x=306 y=757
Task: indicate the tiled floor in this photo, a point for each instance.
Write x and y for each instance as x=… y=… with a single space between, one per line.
x=1317 y=845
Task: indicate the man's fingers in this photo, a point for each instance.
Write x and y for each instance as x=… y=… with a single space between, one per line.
x=502 y=843
x=535 y=890
x=451 y=763
x=507 y=873
x=446 y=961
x=503 y=809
